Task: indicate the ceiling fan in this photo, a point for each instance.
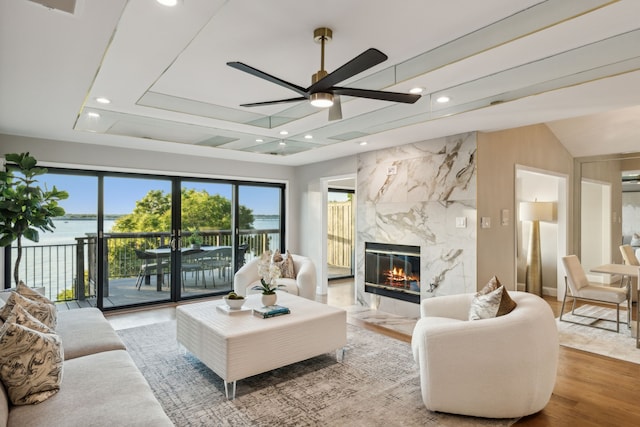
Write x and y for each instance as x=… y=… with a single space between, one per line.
x=322 y=92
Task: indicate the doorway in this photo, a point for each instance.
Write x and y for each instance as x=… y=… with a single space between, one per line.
x=545 y=186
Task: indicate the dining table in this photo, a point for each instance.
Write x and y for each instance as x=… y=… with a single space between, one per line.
x=165 y=252
x=627 y=272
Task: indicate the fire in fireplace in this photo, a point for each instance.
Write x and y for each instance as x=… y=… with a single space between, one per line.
x=392 y=271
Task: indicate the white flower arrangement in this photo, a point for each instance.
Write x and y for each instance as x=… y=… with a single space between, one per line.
x=269 y=273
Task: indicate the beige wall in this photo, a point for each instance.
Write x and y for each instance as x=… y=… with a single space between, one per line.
x=498 y=154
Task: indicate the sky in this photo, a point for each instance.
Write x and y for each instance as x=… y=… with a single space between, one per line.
x=122 y=193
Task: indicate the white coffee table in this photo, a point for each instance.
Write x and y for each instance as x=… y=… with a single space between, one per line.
x=238 y=346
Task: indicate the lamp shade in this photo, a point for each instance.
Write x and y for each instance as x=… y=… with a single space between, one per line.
x=537 y=211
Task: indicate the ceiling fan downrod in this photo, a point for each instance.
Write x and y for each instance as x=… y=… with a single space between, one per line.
x=321 y=35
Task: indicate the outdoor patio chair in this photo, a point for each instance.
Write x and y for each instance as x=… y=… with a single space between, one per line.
x=150 y=265
x=192 y=261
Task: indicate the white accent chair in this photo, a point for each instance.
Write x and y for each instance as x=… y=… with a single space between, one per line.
x=303 y=285
x=578 y=287
x=503 y=367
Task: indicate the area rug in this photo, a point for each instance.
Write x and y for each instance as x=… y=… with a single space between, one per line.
x=621 y=345
x=376 y=385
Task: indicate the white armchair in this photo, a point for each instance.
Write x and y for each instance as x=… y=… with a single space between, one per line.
x=503 y=367
x=303 y=285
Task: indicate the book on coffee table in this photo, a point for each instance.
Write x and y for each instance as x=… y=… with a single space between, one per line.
x=271 y=311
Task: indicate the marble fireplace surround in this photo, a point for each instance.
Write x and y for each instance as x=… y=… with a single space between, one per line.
x=421 y=194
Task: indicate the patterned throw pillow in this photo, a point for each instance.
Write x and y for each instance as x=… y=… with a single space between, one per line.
x=22 y=317
x=45 y=313
x=30 y=363
x=491 y=301
x=287 y=269
x=31 y=294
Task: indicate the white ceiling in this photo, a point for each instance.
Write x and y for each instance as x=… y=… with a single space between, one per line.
x=573 y=64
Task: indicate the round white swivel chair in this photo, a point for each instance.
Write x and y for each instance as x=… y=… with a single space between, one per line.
x=503 y=367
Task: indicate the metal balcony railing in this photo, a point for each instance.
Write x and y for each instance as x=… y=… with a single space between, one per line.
x=69 y=271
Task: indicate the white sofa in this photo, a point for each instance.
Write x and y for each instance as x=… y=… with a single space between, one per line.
x=101 y=385
x=303 y=285
x=501 y=367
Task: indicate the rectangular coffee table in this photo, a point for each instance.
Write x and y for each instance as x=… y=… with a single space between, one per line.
x=240 y=345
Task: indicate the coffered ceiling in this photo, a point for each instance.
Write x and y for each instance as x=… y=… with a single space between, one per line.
x=573 y=64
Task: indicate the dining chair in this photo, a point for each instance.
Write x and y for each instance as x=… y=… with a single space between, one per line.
x=579 y=288
x=148 y=266
x=630 y=258
x=192 y=262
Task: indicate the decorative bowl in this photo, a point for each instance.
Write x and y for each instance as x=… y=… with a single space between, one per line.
x=234 y=304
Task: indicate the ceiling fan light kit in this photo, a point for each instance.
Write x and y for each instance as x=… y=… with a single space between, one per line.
x=321 y=99
x=323 y=93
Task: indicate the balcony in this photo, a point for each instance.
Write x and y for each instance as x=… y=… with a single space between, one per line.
x=69 y=273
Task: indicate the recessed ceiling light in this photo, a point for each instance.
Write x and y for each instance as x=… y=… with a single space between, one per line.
x=259 y=140
x=103 y=100
x=308 y=136
x=93 y=114
x=284 y=132
x=169 y=3
x=282 y=143
x=416 y=90
x=443 y=99
x=363 y=142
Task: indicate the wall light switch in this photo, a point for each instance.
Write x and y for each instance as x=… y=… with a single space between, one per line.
x=392 y=170
x=461 y=222
x=485 y=222
x=504 y=217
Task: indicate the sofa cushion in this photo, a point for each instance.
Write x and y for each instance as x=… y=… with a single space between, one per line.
x=102 y=389
x=30 y=363
x=86 y=331
x=492 y=300
x=46 y=313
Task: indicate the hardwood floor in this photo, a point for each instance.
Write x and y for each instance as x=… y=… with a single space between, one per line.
x=591 y=390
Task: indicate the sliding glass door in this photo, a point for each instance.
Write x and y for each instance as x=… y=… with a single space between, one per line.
x=260 y=221
x=206 y=249
x=136 y=240
x=133 y=239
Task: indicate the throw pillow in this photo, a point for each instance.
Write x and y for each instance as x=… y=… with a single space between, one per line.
x=285 y=264
x=287 y=267
x=32 y=294
x=492 y=300
x=45 y=313
x=30 y=363
x=635 y=240
x=22 y=317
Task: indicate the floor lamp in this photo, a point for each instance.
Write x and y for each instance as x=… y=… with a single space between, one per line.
x=535 y=212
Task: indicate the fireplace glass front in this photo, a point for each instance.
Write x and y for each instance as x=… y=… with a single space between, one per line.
x=392 y=271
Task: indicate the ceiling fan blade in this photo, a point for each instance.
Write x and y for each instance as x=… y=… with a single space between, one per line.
x=261 y=74
x=367 y=59
x=407 y=98
x=335 y=111
x=278 y=101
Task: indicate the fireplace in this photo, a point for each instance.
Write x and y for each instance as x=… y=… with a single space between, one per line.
x=392 y=271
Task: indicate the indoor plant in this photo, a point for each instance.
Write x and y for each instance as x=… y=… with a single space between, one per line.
x=269 y=273
x=25 y=208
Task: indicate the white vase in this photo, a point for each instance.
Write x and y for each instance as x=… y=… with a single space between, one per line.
x=269 y=299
